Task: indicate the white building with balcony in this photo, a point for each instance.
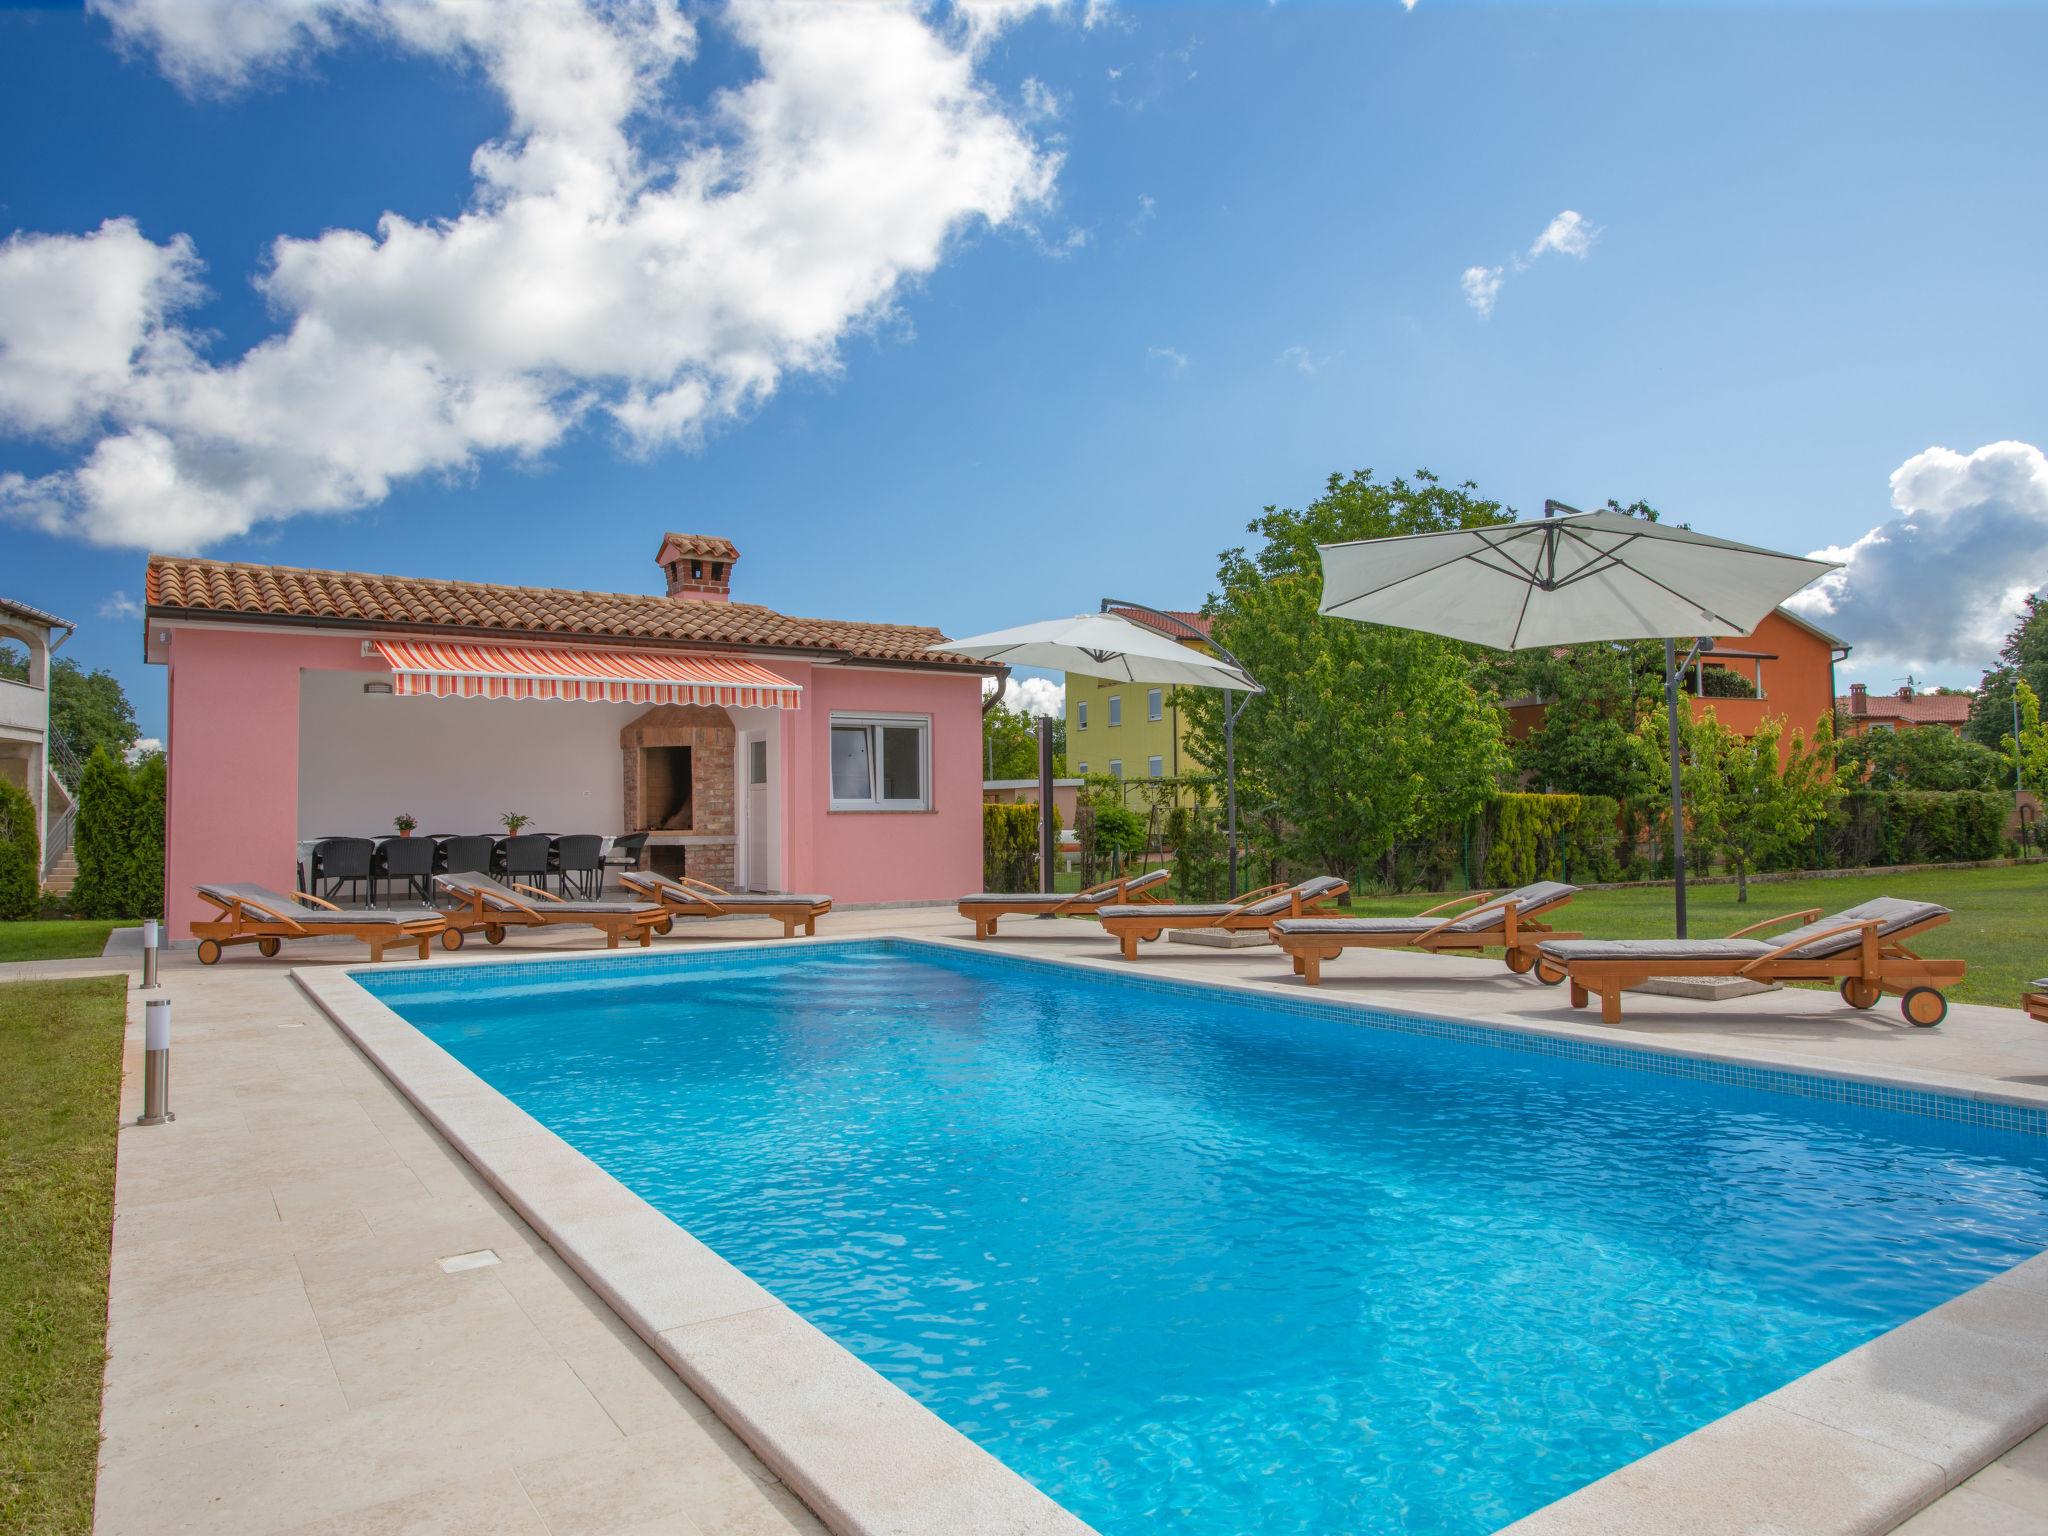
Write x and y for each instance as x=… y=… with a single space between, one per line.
x=29 y=637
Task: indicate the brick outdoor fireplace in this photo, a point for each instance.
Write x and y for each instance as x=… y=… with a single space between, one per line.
x=678 y=765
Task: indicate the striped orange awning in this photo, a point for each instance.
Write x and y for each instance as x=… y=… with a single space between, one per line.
x=447 y=670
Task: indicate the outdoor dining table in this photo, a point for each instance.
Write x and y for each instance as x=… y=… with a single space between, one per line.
x=306 y=845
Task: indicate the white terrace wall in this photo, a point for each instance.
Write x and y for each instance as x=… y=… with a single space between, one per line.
x=456 y=764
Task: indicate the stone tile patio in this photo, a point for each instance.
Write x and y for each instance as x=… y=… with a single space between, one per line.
x=291 y=1351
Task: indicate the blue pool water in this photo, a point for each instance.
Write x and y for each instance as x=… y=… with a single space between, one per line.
x=1195 y=1263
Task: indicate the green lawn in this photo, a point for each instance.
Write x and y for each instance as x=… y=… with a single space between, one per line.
x=1998 y=927
x=60 y=1092
x=65 y=939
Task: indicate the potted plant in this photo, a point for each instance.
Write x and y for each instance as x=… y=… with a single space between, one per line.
x=512 y=821
x=405 y=822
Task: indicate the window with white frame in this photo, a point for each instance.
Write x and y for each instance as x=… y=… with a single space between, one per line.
x=1156 y=767
x=1116 y=767
x=1116 y=709
x=1081 y=715
x=1155 y=704
x=881 y=762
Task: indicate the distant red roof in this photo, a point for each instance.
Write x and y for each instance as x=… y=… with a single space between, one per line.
x=1184 y=620
x=1920 y=709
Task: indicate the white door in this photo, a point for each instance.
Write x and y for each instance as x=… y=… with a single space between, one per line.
x=759 y=876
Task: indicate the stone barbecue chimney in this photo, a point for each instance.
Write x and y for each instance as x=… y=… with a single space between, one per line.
x=1859 y=699
x=698 y=567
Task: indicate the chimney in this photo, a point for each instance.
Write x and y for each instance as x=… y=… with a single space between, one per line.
x=698 y=567
x=1859 y=699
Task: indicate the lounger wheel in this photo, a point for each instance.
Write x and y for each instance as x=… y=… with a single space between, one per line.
x=268 y=947
x=1858 y=993
x=1924 y=1007
x=494 y=933
x=1550 y=973
x=666 y=926
x=209 y=952
x=1521 y=962
x=451 y=938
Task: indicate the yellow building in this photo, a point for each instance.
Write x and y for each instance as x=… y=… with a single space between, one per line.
x=1132 y=730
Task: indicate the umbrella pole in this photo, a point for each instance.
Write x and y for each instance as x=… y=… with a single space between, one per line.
x=1230 y=788
x=1677 y=783
x=1045 y=837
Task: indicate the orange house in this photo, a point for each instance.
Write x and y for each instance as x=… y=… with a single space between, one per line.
x=1905 y=710
x=1788 y=660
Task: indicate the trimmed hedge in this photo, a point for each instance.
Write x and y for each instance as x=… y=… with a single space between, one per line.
x=1551 y=837
x=21 y=856
x=1009 y=846
x=119 y=841
x=1915 y=826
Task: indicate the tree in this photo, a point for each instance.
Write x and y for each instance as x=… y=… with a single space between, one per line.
x=2030 y=750
x=90 y=710
x=2023 y=656
x=1364 y=734
x=1010 y=744
x=1926 y=757
x=1593 y=697
x=1741 y=802
x=21 y=874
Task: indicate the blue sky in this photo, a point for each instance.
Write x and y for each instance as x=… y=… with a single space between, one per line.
x=1222 y=253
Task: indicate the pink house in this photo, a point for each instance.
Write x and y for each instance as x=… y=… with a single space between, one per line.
x=762 y=751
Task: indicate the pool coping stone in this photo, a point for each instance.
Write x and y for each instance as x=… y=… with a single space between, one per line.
x=1855 y=1447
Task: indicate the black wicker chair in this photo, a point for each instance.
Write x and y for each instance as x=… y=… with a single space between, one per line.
x=625 y=852
x=339 y=861
x=409 y=860
x=579 y=864
x=523 y=860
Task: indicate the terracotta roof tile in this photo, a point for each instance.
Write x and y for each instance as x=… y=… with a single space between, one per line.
x=704 y=546
x=188 y=586
x=1921 y=709
x=1198 y=622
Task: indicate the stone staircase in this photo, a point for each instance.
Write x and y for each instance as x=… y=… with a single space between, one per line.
x=63 y=875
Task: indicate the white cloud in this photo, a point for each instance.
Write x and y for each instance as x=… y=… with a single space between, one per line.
x=592 y=279
x=1407 y=5
x=1171 y=358
x=1148 y=209
x=119 y=605
x=1941 y=583
x=1041 y=101
x=1569 y=234
x=1482 y=287
x=143 y=746
x=1301 y=359
x=1033 y=695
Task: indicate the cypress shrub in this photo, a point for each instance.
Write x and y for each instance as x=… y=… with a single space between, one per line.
x=1915 y=826
x=119 y=840
x=1551 y=837
x=1009 y=846
x=21 y=856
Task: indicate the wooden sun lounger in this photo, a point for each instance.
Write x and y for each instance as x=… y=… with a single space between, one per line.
x=1506 y=922
x=1255 y=911
x=1862 y=950
x=2035 y=1000
x=687 y=897
x=250 y=914
x=983 y=910
x=495 y=908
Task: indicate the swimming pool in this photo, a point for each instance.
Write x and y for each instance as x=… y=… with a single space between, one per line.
x=1193 y=1260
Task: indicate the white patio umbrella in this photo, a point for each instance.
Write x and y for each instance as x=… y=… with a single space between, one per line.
x=1106 y=644
x=1564 y=581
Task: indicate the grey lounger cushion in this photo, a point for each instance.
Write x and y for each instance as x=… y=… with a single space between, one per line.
x=1891 y=913
x=1171 y=909
x=309 y=916
x=1041 y=898
x=1266 y=906
x=652 y=884
x=1544 y=893
x=503 y=898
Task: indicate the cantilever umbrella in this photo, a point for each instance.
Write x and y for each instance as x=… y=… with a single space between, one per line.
x=1106 y=644
x=1563 y=581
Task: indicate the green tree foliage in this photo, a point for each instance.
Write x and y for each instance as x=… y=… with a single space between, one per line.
x=1010 y=744
x=90 y=710
x=1365 y=734
x=1009 y=846
x=1743 y=803
x=20 y=854
x=1926 y=757
x=1915 y=826
x=1594 y=698
x=13 y=661
x=119 y=839
x=1550 y=837
x=2030 y=748
x=2023 y=656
